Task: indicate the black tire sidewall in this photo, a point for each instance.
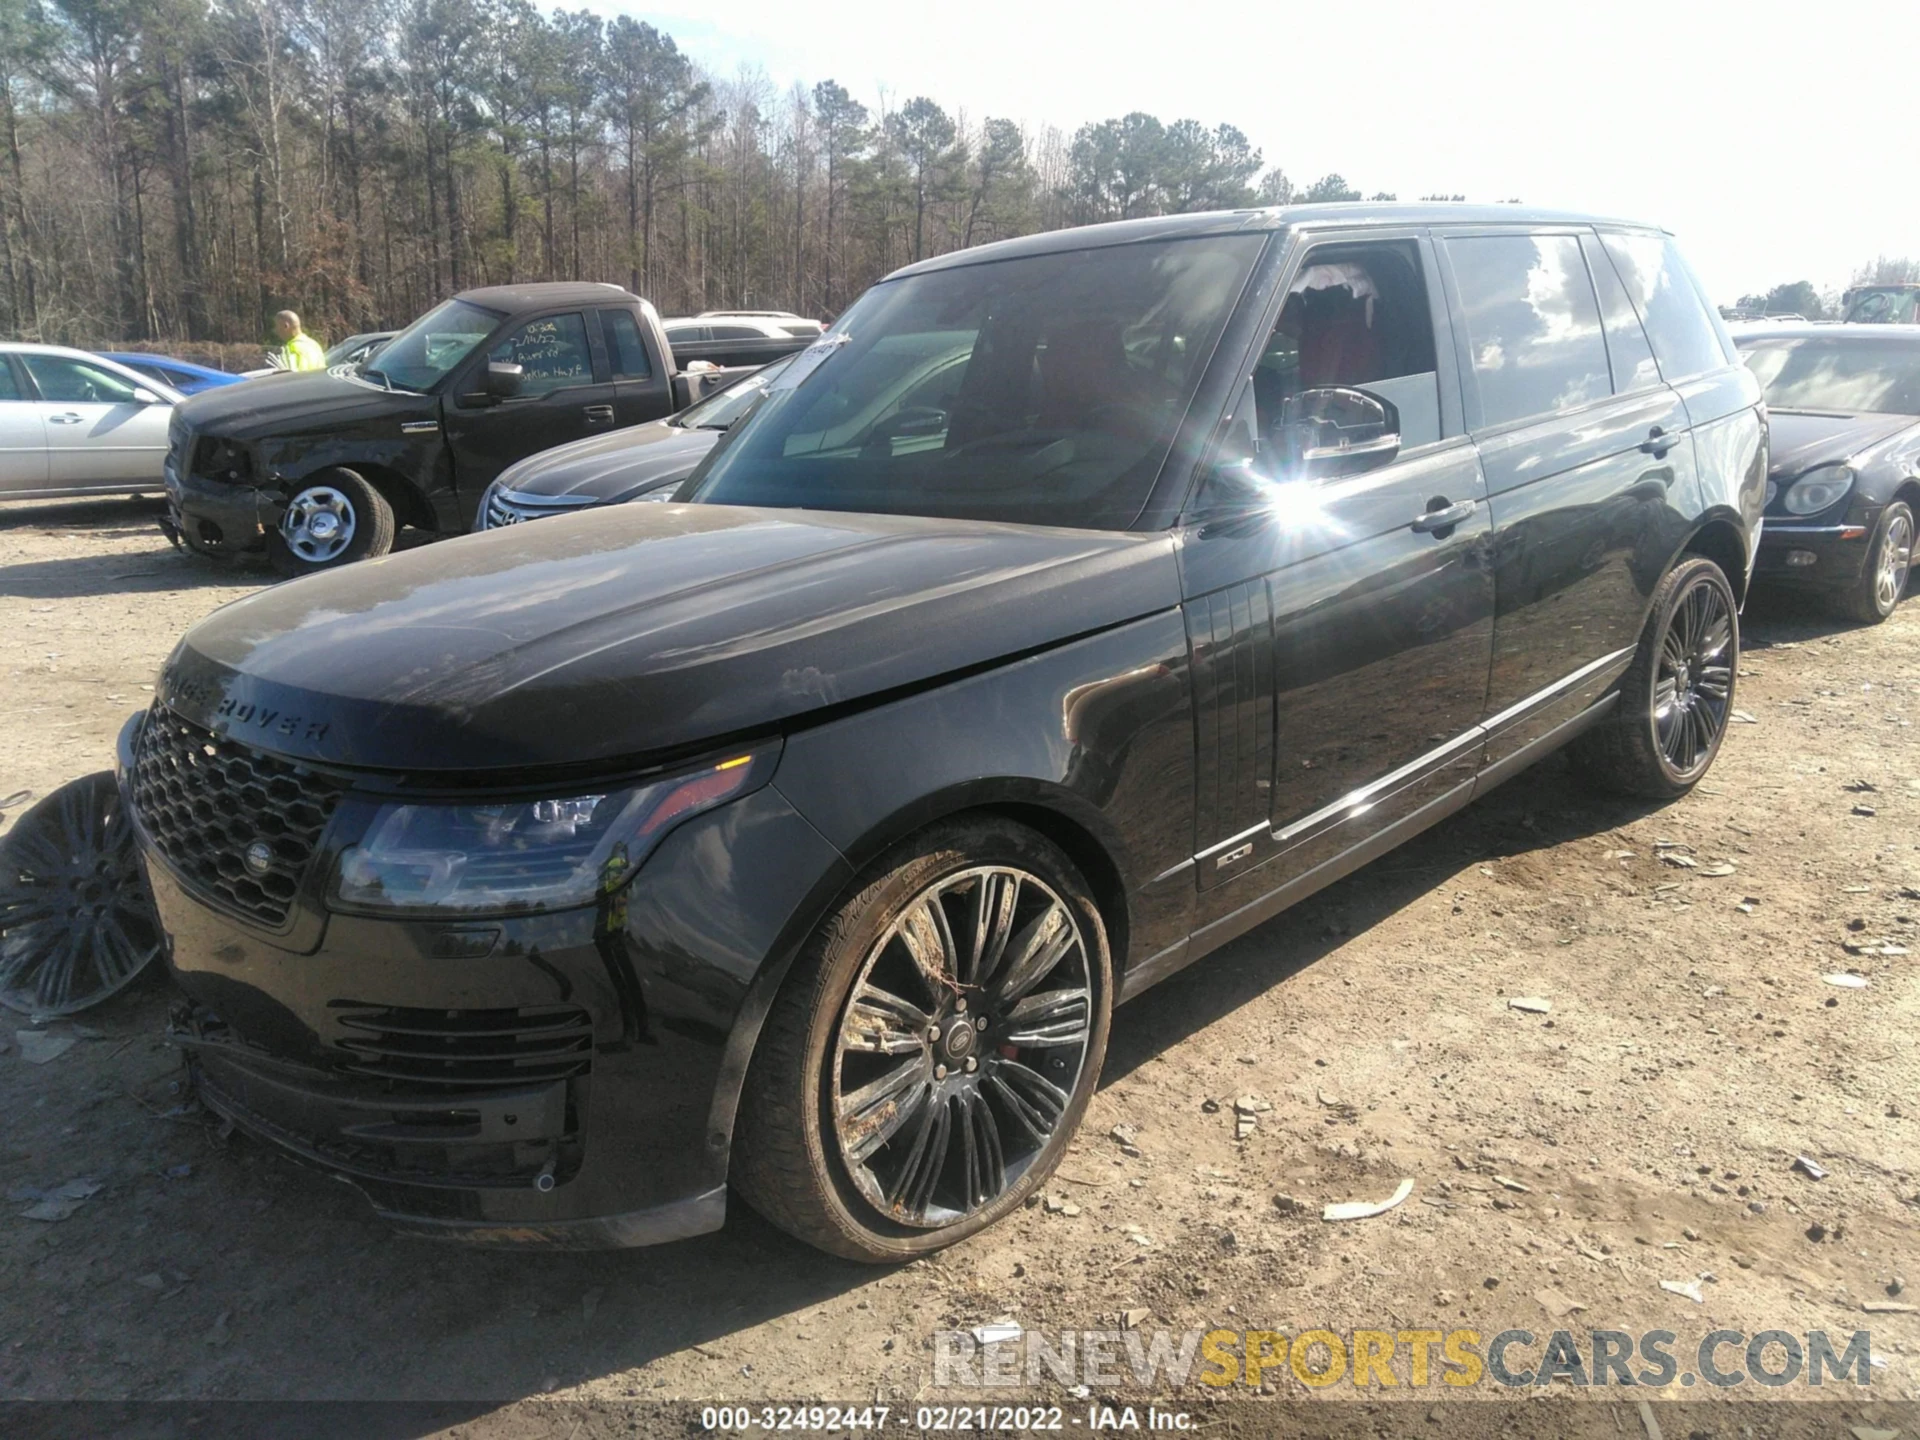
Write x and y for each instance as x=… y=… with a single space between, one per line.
x=1680 y=583
x=931 y=857
x=373 y=525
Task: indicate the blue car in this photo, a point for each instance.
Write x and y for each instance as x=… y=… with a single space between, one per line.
x=182 y=375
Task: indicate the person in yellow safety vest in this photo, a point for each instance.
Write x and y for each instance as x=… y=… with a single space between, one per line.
x=298 y=350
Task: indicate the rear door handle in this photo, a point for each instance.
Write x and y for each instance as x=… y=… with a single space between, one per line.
x=1659 y=441
x=1444 y=518
x=67 y=419
x=599 y=414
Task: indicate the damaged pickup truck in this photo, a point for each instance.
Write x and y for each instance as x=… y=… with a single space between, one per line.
x=320 y=469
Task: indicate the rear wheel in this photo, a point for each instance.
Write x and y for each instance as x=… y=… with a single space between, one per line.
x=924 y=1067
x=1677 y=695
x=1883 y=579
x=333 y=519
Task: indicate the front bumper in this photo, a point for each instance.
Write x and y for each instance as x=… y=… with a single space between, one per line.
x=562 y=1080
x=1816 y=555
x=217 y=518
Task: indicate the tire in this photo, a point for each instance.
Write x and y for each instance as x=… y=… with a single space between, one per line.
x=1677 y=695
x=1883 y=579
x=862 y=1133
x=333 y=519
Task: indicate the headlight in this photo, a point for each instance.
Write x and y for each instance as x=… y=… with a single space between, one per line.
x=526 y=856
x=654 y=497
x=1818 y=490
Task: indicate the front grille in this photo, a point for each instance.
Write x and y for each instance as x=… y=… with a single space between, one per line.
x=510 y=507
x=465 y=1049
x=240 y=823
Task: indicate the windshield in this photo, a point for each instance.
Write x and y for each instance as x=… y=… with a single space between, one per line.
x=720 y=409
x=1843 y=374
x=1044 y=390
x=1891 y=306
x=422 y=354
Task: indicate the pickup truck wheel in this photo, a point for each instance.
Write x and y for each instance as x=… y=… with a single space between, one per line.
x=927 y=1062
x=1677 y=695
x=333 y=519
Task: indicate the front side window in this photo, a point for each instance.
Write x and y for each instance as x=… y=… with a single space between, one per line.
x=74 y=382
x=1040 y=390
x=424 y=353
x=551 y=352
x=1533 y=327
x=9 y=386
x=1684 y=337
x=1355 y=316
x=1836 y=375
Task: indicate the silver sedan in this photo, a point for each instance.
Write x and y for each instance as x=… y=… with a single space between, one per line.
x=72 y=423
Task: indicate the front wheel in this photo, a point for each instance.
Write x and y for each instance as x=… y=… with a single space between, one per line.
x=1677 y=695
x=1883 y=580
x=333 y=519
x=924 y=1067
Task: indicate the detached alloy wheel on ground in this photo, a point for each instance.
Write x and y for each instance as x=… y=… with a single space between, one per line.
x=1676 y=696
x=76 y=923
x=1883 y=579
x=334 y=519
x=926 y=1063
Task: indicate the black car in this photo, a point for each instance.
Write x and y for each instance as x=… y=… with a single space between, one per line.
x=647 y=462
x=1845 y=480
x=317 y=470
x=546 y=883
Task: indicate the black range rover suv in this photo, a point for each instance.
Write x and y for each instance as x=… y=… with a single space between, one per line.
x=545 y=883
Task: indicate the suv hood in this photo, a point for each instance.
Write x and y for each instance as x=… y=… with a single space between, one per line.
x=613 y=467
x=641 y=631
x=1797 y=442
x=279 y=404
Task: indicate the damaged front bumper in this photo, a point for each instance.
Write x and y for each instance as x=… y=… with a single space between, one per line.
x=218 y=518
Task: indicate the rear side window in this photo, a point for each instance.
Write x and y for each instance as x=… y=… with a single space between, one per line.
x=1633 y=367
x=624 y=346
x=735 y=332
x=1533 y=327
x=1684 y=336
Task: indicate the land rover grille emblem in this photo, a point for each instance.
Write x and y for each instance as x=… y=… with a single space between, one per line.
x=259 y=857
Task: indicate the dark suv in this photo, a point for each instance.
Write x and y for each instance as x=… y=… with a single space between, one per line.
x=544 y=883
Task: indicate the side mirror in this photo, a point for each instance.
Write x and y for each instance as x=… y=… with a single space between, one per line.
x=503 y=379
x=144 y=396
x=1335 y=431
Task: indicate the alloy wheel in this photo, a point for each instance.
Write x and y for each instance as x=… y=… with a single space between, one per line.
x=319 y=524
x=76 y=923
x=1693 y=686
x=961 y=1045
x=1895 y=560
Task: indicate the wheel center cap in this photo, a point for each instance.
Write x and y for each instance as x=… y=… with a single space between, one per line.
x=958 y=1041
x=322 y=527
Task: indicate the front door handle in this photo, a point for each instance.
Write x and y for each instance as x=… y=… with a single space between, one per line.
x=1442 y=516
x=1659 y=441
x=67 y=419
x=599 y=414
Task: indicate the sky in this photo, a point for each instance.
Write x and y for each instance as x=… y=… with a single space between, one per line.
x=1755 y=132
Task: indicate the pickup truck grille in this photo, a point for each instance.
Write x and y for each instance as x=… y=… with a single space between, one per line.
x=510 y=507
x=206 y=803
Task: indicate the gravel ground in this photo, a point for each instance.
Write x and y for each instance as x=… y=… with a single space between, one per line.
x=1643 y=1130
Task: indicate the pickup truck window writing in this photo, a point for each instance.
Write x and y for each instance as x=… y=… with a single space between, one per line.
x=551 y=352
x=1042 y=390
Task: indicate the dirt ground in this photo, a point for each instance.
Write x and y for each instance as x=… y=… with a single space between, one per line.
x=1645 y=1129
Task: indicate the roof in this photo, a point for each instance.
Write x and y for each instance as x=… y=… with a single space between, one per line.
x=557 y=292
x=1230 y=222
x=142 y=357
x=1829 y=330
